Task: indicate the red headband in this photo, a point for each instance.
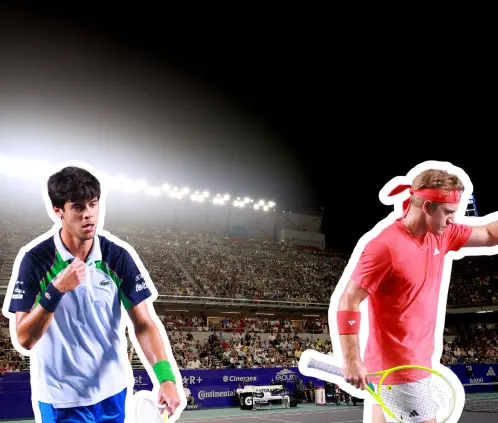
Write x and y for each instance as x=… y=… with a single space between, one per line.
x=429 y=194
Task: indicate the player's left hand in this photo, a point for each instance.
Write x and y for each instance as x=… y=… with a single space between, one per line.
x=168 y=396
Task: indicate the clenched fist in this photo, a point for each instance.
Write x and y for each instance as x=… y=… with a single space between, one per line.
x=168 y=396
x=355 y=373
x=71 y=277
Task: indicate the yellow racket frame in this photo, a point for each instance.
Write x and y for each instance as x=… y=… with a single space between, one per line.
x=164 y=414
x=385 y=373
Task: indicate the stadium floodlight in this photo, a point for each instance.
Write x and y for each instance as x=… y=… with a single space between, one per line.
x=142 y=183
x=125 y=184
x=4 y=162
x=8 y=167
x=136 y=186
x=153 y=191
x=36 y=170
x=176 y=194
x=30 y=170
x=116 y=182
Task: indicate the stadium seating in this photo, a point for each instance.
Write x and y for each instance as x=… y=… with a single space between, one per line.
x=199 y=264
x=259 y=342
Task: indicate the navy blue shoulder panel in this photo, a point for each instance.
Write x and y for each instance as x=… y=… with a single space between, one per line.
x=32 y=270
x=120 y=261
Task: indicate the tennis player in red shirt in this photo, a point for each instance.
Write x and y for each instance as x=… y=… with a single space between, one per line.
x=400 y=271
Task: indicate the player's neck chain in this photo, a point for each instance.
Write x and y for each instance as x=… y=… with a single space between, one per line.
x=413 y=239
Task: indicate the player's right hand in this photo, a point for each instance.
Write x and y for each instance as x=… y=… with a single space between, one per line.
x=71 y=277
x=355 y=373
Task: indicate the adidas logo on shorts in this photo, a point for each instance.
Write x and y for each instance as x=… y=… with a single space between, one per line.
x=491 y=372
x=414 y=413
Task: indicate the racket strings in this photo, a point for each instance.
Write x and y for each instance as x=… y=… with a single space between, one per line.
x=412 y=394
x=419 y=397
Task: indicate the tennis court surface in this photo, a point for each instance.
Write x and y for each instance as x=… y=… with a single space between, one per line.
x=304 y=413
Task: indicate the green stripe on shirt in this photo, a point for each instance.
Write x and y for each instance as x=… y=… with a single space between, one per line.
x=117 y=280
x=57 y=267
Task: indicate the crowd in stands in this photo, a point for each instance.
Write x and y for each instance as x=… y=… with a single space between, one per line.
x=199 y=264
x=253 y=342
x=244 y=342
x=241 y=324
x=203 y=265
x=475 y=343
x=10 y=359
x=474 y=282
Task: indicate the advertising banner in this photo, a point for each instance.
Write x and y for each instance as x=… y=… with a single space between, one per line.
x=216 y=388
x=477 y=377
x=209 y=388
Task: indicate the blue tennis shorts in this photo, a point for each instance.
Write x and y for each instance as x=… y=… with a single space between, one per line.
x=110 y=410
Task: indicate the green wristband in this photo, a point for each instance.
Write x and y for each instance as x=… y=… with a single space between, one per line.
x=163 y=371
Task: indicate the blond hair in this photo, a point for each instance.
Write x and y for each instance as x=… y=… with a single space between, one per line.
x=435 y=178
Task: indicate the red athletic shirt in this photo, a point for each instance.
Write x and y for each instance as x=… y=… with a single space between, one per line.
x=403 y=281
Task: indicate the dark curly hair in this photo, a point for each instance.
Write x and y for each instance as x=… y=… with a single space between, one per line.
x=72 y=184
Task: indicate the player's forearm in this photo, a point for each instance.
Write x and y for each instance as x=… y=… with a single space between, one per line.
x=150 y=341
x=32 y=326
x=350 y=344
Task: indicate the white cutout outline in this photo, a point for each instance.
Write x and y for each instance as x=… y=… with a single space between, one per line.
x=397 y=201
x=125 y=321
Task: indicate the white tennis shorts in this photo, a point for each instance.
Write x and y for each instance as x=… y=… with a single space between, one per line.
x=412 y=402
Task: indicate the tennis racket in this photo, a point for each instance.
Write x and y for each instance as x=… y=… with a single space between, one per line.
x=147 y=411
x=408 y=394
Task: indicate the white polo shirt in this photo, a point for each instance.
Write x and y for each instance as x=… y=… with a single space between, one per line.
x=82 y=358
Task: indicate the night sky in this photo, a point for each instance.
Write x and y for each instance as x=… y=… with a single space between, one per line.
x=274 y=104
